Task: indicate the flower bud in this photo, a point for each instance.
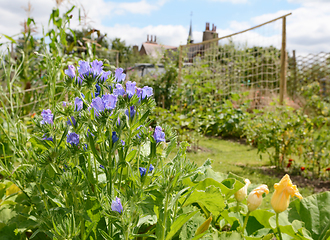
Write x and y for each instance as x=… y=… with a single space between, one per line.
x=241 y=194
x=281 y=197
x=255 y=197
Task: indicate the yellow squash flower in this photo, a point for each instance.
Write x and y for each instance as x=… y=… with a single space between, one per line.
x=281 y=197
x=240 y=195
x=255 y=197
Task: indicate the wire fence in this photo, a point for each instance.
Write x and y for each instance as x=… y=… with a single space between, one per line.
x=252 y=61
x=306 y=69
x=29 y=102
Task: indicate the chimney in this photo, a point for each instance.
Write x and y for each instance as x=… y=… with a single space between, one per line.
x=215 y=28
x=148 y=38
x=207 y=28
x=155 y=39
x=135 y=49
x=212 y=27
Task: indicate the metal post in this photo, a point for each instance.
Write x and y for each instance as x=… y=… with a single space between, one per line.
x=283 y=62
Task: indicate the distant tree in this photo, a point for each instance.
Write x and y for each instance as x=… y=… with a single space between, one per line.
x=127 y=56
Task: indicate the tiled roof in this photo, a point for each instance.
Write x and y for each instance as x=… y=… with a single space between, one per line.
x=155 y=49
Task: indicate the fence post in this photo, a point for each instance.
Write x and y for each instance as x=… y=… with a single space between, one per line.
x=294 y=74
x=283 y=62
x=180 y=72
x=180 y=66
x=117 y=59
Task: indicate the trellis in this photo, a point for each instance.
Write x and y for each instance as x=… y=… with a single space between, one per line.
x=253 y=61
x=306 y=69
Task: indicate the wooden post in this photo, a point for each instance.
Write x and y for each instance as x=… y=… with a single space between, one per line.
x=117 y=60
x=179 y=74
x=283 y=60
x=294 y=74
x=180 y=66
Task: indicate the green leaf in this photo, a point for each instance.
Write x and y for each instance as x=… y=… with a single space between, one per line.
x=104 y=235
x=204 y=226
x=231 y=236
x=211 y=199
x=314 y=211
x=131 y=155
x=176 y=226
x=262 y=216
x=9 y=38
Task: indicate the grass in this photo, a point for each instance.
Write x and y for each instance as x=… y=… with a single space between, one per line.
x=241 y=159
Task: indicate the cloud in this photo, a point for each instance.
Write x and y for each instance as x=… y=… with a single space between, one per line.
x=142 y=7
x=231 y=1
x=172 y=35
x=307 y=28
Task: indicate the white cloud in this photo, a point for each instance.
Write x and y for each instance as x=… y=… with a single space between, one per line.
x=231 y=1
x=172 y=35
x=307 y=28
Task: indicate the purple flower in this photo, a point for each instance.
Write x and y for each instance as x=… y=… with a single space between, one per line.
x=89 y=132
x=44 y=137
x=71 y=71
x=146 y=92
x=119 y=75
x=130 y=88
x=84 y=67
x=78 y=104
x=143 y=171
x=116 y=205
x=98 y=90
x=138 y=135
x=122 y=142
x=97 y=68
x=101 y=166
x=72 y=138
x=131 y=112
x=80 y=79
x=85 y=147
x=64 y=104
x=109 y=101
x=104 y=75
x=119 y=90
x=118 y=122
x=115 y=138
x=151 y=168
x=69 y=122
x=159 y=135
x=139 y=92
x=98 y=105
x=47 y=117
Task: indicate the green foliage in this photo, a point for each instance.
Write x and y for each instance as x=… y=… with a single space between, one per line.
x=314 y=213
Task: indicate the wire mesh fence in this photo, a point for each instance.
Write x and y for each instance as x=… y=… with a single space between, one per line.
x=306 y=69
x=248 y=61
x=28 y=102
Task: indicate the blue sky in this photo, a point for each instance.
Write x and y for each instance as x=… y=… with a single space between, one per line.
x=221 y=13
x=308 y=30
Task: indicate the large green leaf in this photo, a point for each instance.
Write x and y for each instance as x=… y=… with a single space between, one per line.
x=314 y=211
x=290 y=229
x=176 y=226
x=231 y=236
x=211 y=199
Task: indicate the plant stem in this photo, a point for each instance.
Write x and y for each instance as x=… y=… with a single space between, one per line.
x=245 y=221
x=237 y=206
x=278 y=227
x=165 y=218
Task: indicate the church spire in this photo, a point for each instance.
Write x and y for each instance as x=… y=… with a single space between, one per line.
x=190 y=37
